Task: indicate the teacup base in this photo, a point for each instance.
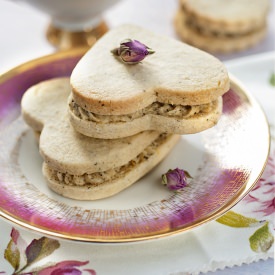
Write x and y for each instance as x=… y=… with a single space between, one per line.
x=64 y=39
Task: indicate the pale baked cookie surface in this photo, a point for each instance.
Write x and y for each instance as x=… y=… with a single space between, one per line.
x=43 y=102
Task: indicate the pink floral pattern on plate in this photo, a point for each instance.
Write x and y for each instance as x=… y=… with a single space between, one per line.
x=257 y=209
x=261 y=198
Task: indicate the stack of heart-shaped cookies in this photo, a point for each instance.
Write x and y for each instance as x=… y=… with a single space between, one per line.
x=222 y=26
x=111 y=123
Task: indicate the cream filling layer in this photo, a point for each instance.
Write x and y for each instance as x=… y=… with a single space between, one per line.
x=98 y=178
x=193 y=25
x=156 y=108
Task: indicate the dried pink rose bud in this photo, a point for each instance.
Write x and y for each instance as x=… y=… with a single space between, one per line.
x=132 y=51
x=175 y=179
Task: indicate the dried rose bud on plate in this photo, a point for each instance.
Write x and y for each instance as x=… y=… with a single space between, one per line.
x=176 y=179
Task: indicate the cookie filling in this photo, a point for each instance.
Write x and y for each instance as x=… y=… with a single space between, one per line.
x=191 y=22
x=95 y=179
x=156 y=108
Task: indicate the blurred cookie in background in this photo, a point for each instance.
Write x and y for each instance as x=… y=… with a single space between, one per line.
x=222 y=26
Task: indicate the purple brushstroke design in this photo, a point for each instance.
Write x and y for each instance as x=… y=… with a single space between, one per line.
x=171 y=218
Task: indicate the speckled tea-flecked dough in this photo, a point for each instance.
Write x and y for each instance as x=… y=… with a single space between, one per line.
x=214 y=43
x=43 y=103
x=176 y=73
x=70 y=157
x=233 y=16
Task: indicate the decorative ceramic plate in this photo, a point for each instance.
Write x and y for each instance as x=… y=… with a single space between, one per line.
x=224 y=161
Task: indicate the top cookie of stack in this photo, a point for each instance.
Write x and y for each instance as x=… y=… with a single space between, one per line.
x=222 y=26
x=176 y=90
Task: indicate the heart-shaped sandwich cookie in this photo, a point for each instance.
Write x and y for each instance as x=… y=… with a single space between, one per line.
x=81 y=167
x=177 y=89
x=222 y=26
